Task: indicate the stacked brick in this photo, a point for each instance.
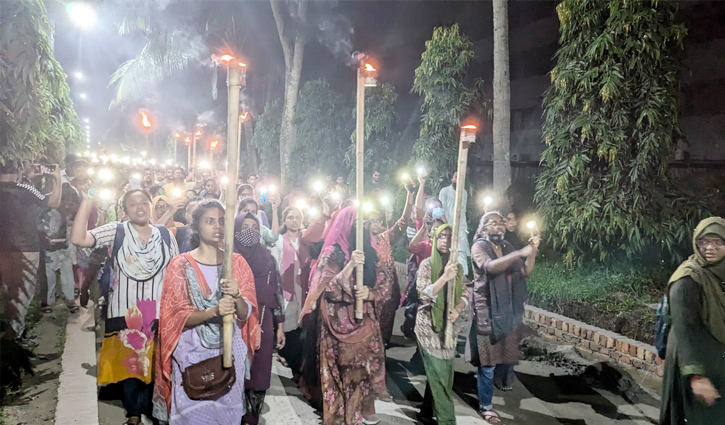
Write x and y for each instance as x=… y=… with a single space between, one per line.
x=594 y=340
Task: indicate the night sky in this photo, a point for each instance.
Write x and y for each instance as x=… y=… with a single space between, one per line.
x=392 y=32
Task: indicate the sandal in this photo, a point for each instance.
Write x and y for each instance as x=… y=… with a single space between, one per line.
x=133 y=420
x=490 y=417
x=47 y=309
x=504 y=387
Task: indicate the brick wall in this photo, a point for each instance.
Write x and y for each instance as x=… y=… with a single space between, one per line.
x=594 y=340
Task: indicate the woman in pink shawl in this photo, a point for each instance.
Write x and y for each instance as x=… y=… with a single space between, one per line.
x=350 y=351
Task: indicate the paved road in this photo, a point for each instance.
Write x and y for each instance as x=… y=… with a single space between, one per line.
x=542 y=395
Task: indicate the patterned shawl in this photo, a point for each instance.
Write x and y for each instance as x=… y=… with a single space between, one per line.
x=176 y=307
x=142 y=261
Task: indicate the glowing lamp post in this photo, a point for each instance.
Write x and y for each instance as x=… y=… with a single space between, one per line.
x=212 y=145
x=146 y=126
x=365 y=78
x=468 y=136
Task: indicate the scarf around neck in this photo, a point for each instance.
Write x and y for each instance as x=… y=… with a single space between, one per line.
x=438 y=312
x=710 y=277
x=142 y=261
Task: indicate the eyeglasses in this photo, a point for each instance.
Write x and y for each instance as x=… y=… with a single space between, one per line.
x=378 y=221
x=495 y=224
x=443 y=237
x=704 y=243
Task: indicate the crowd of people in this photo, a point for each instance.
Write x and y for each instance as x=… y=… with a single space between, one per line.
x=147 y=246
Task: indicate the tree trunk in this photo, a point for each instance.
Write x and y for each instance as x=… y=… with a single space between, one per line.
x=501 y=98
x=294 y=51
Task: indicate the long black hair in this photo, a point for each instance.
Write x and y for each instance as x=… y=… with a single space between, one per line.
x=131 y=192
x=199 y=211
x=285 y=213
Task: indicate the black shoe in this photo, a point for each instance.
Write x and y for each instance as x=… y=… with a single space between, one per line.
x=425 y=418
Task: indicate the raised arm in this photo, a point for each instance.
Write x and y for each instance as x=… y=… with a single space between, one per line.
x=413 y=245
x=420 y=197
x=274 y=199
x=54 y=197
x=80 y=236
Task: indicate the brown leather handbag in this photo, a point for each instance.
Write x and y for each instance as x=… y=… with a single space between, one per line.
x=208 y=379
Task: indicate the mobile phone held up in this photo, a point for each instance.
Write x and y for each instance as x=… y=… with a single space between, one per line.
x=45 y=169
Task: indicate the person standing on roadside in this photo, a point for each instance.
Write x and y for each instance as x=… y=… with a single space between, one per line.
x=499 y=293
x=694 y=377
x=20 y=209
x=140 y=253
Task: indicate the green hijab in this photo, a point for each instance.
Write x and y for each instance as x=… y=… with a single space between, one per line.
x=711 y=278
x=438 y=312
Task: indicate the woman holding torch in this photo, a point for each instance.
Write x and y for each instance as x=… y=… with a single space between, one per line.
x=433 y=276
x=192 y=387
x=499 y=293
x=350 y=351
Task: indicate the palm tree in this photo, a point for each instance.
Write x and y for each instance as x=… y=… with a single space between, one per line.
x=501 y=98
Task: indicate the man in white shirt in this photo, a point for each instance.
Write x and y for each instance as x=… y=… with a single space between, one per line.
x=447 y=197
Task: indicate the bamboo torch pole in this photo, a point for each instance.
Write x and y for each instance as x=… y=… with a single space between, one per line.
x=468 y=136
x=233 y=85
x=359 y=176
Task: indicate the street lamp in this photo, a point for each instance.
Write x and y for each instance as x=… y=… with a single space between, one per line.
x=146 y=126
x=82 y=14
x=212 y=145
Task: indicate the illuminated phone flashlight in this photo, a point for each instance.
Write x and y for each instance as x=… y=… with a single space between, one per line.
x=405 y=177
x=534 y=231
x=224 y=181
x=384 y=200
x=487 y=200
x=90 y=171
x=271 y=188
x=312 y=213
x=176 y=193
x=336 y=196
x=263 y=193
x=136 y=176
x=301 y=204
x=367 y=207
x=421 y=170
x=106 y=194
x=105 y=174
x=318 y=186
x=204 y=165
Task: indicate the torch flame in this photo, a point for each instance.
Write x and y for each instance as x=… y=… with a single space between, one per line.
x=145 y=120
x=227 y=58
x=214 y=143
x=242 y=64
x=469 y=127
x=198 y=133
x=177 y=135
x=244 y=116
x=187 y=140
x=369 y=68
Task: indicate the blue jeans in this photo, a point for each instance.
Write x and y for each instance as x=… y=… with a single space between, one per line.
x=485 y=387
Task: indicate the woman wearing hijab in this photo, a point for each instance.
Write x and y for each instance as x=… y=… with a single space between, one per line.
x=350 y=351
x=271 y=316
x=695 y=370
x=194 y=300
x=432 y=281
x=499 y=293
x=292 y=252
x=139 y=263
x=163 y=210
x=382 y=240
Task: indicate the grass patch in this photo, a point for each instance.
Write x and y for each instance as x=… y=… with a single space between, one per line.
x=615 y=298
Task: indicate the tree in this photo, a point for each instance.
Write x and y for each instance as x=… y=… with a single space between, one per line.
x=290 y=28
x=380 y=117
x=322 y=120
x=442 y=79
x=266 y=138
x=37 y=116
x=501 y=98
x=610 y=124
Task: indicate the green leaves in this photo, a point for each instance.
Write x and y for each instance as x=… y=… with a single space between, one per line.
x=448 y=96
x=323 y=123
x=266 y=138
x=610 y=123
x=36 y=112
